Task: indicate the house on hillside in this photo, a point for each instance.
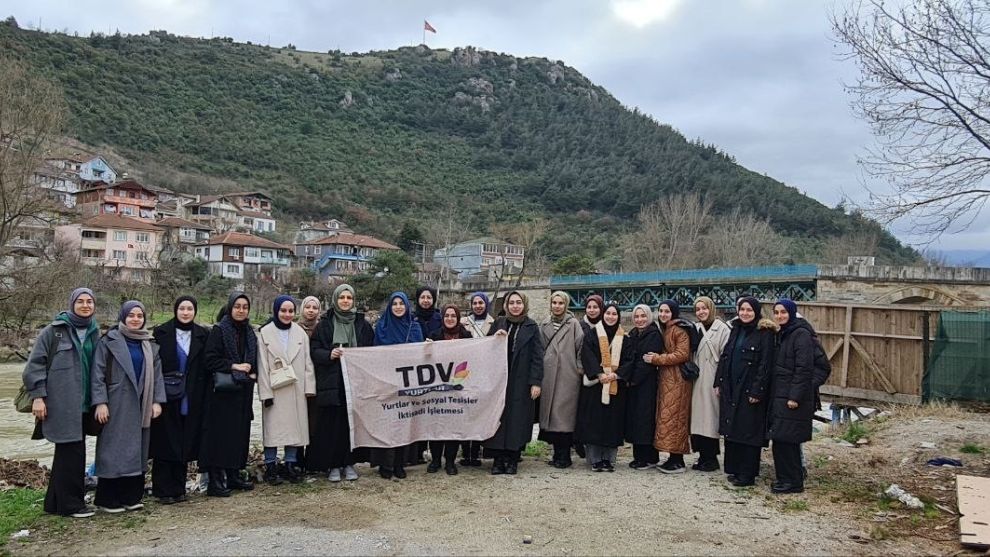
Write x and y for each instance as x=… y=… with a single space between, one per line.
x=255 y=221
x=309 y=231
x=60 y=186
x=255 y=201
x=240 y=256
x=128 y=199
x=181 y=237
x=125 y=247
x=174 y=205
x=486 y=256
x=341 y=254
x=87 y=169
x=223 y=214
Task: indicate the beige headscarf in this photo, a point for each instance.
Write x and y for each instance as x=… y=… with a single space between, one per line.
x=309 y=325
x=710 y=304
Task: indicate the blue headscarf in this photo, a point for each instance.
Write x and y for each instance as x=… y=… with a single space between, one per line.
x=791 y=308
x=397 y=330
x=484 y=297
x=281 y=299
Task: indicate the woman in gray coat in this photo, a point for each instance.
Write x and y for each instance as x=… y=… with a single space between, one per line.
x=562 y=340
x=57 y=380
x=128 y=391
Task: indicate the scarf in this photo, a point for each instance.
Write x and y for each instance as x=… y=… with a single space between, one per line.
x=344 y=333
x=425 y=314
x=558 y=320
x=601 y=309
x=175 y=312
x=791 y=308
x=455 y=332
x=649 y=314
x=522 y=316
x=85 y=350
x=710 y=304
x=611 y=353
x=309 y=325
x=397 y=330
x=76 y=321
x=240 y=344
x=484 y=314
x=277 y=307
x=143 y=336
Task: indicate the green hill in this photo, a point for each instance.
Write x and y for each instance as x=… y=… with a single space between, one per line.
x=385 y=138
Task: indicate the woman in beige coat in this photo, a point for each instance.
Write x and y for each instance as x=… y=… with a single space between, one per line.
x=285 y=380
x=704 y=402
x=562 y=337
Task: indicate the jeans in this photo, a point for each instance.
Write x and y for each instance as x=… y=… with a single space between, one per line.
x=271 y=454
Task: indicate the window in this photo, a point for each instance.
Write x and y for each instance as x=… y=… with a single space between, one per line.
x=119 y=255
x=93 y=253
x=250 y=252
x=119 y=235
x=233 y=269
x=141 y=256
x=94 y=234
x=271 y=227
x=143 y=237
x=317 y=249
x=127 y=210
x=267 y=253
x=234 y=252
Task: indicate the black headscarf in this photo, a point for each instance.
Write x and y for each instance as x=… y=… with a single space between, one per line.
x=425 y=315
x=611 y=329
x=277 y=306
x=757 y=309
x=239 y=341
x=675 y=310
x=175 y=312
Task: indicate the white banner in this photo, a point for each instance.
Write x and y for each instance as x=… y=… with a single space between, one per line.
x=451 y=390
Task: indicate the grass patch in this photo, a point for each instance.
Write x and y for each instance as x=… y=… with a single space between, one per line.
x=972 y=448
x=796 y=505
x=536 y=448
x=19 y=509
x=854 y=432
x=820 y=461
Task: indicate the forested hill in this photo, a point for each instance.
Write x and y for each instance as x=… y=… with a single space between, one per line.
x=385 y=138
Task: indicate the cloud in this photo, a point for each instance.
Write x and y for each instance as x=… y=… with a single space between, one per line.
x=642 y=13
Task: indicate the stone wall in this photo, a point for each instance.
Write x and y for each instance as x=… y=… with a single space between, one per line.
x=883 y=284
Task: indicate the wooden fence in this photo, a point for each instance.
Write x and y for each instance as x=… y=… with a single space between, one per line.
x=878 y=352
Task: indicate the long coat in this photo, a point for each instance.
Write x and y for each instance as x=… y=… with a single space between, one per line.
x=704 y=403
x=483 y=327
x=597 y=423
x=792 y=379
x=54 y=373
x=174 y=437
x=122 y=447
x=228 y=416
x=286 y=421
x=525 y=370
x=329 y=379
x=673 y=433
x=641 y=377
x=561 y=375
x=739 y=420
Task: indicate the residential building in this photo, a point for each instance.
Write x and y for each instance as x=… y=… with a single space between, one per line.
x=181 y=237
x=129 y=199
x=309 y=231
x=340 y=254
x=124 y=246
x=483 y=255
x=223 y=214
x=255 y=221
x=240 y=256
x=61 y=186
x=87 y=169
x=173 y=205
x=252 y=201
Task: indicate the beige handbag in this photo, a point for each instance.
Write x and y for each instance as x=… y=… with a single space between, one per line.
x=281 y=375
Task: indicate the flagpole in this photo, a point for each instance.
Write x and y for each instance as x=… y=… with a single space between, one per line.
x=424 y=31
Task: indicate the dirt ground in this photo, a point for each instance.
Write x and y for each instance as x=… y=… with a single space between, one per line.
x=575 y=511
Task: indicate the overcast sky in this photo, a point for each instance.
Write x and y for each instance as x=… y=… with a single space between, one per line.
x=758 y=78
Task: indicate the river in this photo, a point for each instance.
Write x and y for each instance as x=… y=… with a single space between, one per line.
x=16 y=428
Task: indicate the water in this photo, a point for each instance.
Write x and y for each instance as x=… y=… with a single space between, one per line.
x=16 y=428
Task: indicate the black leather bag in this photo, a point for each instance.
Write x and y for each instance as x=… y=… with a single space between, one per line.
x=225 y=383
x=690 y=371
x=175 y=386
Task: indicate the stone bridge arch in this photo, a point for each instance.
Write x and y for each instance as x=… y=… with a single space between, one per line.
x=919 y=294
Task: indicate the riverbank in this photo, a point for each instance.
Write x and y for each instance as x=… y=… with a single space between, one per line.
x=575 y=511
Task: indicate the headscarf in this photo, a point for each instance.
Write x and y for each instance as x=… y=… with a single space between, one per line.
x=344 y=333
x=488 y=305
x=309 y=325
x=175 y=313
x=791 y=308
x=77 y=321
x=611 y=329
x=426 y=314
x=277 y=306
x=525 y=312
x=239 y=341
x=142 y=335
x=649 y=314
x=757 y=309
x=710 y=304
x=455 y=333
x=397 y=330
x=675 y=310
x=567 y=302
x=601 y=306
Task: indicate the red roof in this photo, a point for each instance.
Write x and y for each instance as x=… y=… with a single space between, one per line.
x=348 y=239
x=176 y=222
x=118 y=221
x=242 y=239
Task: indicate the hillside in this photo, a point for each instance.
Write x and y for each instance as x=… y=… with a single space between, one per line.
x=385 y=138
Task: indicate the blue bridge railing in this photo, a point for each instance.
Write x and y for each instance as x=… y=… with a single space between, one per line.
x=778 y=272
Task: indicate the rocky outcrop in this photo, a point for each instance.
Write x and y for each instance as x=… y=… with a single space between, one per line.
x=555 y=73
x=348 y=100
x=466 y=57
x=481 y=85
x=394 y=75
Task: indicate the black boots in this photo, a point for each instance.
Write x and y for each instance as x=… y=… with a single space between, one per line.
x=234 y=481
x=271 y=474
x=216 y=486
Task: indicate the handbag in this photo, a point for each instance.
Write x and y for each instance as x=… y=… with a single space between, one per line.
x=23 y=402
x=281 y=375
x=690 y=371
x=225 y=383
x=91 y=427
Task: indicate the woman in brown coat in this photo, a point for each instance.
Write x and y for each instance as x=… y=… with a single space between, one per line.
x=674 y=393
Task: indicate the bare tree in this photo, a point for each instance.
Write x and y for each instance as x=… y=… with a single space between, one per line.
x=924 y=88
x=525 y=235
x=743 y=240
x=32 y=116
x=668 y=233
x=838 y=248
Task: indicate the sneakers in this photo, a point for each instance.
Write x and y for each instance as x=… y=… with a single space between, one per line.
x=112 y=510
x=334 y=475
x=598 y=466
x=608 y=465
x=84 y=512
x=134 y=507
x=350 y=474
x=706 y=466
x=637 y=465
x=671 y=468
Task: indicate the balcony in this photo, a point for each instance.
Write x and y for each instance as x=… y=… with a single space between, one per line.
x=283 y=261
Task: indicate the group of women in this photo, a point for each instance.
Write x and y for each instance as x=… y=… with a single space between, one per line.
x=182 y=393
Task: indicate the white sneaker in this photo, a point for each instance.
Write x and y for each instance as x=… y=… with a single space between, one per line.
x=350 y=474
x=84 y=512
x=112 y=510
x=134 y=507
x=334 y=475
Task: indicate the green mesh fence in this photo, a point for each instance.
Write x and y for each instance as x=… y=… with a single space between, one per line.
x=959 y=368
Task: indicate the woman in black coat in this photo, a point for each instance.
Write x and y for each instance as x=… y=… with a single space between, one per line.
x=601 y=403
x=176 y=434
x=525 y=355
x=451 y=330
x=742 y=385
x=641 y=394
x=329 y=429
x=231 y=361
x=793 y=404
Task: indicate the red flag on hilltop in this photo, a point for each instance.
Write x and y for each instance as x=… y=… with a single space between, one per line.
x=428 y=27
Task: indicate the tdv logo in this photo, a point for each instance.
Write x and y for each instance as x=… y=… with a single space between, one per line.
x=432 y=377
